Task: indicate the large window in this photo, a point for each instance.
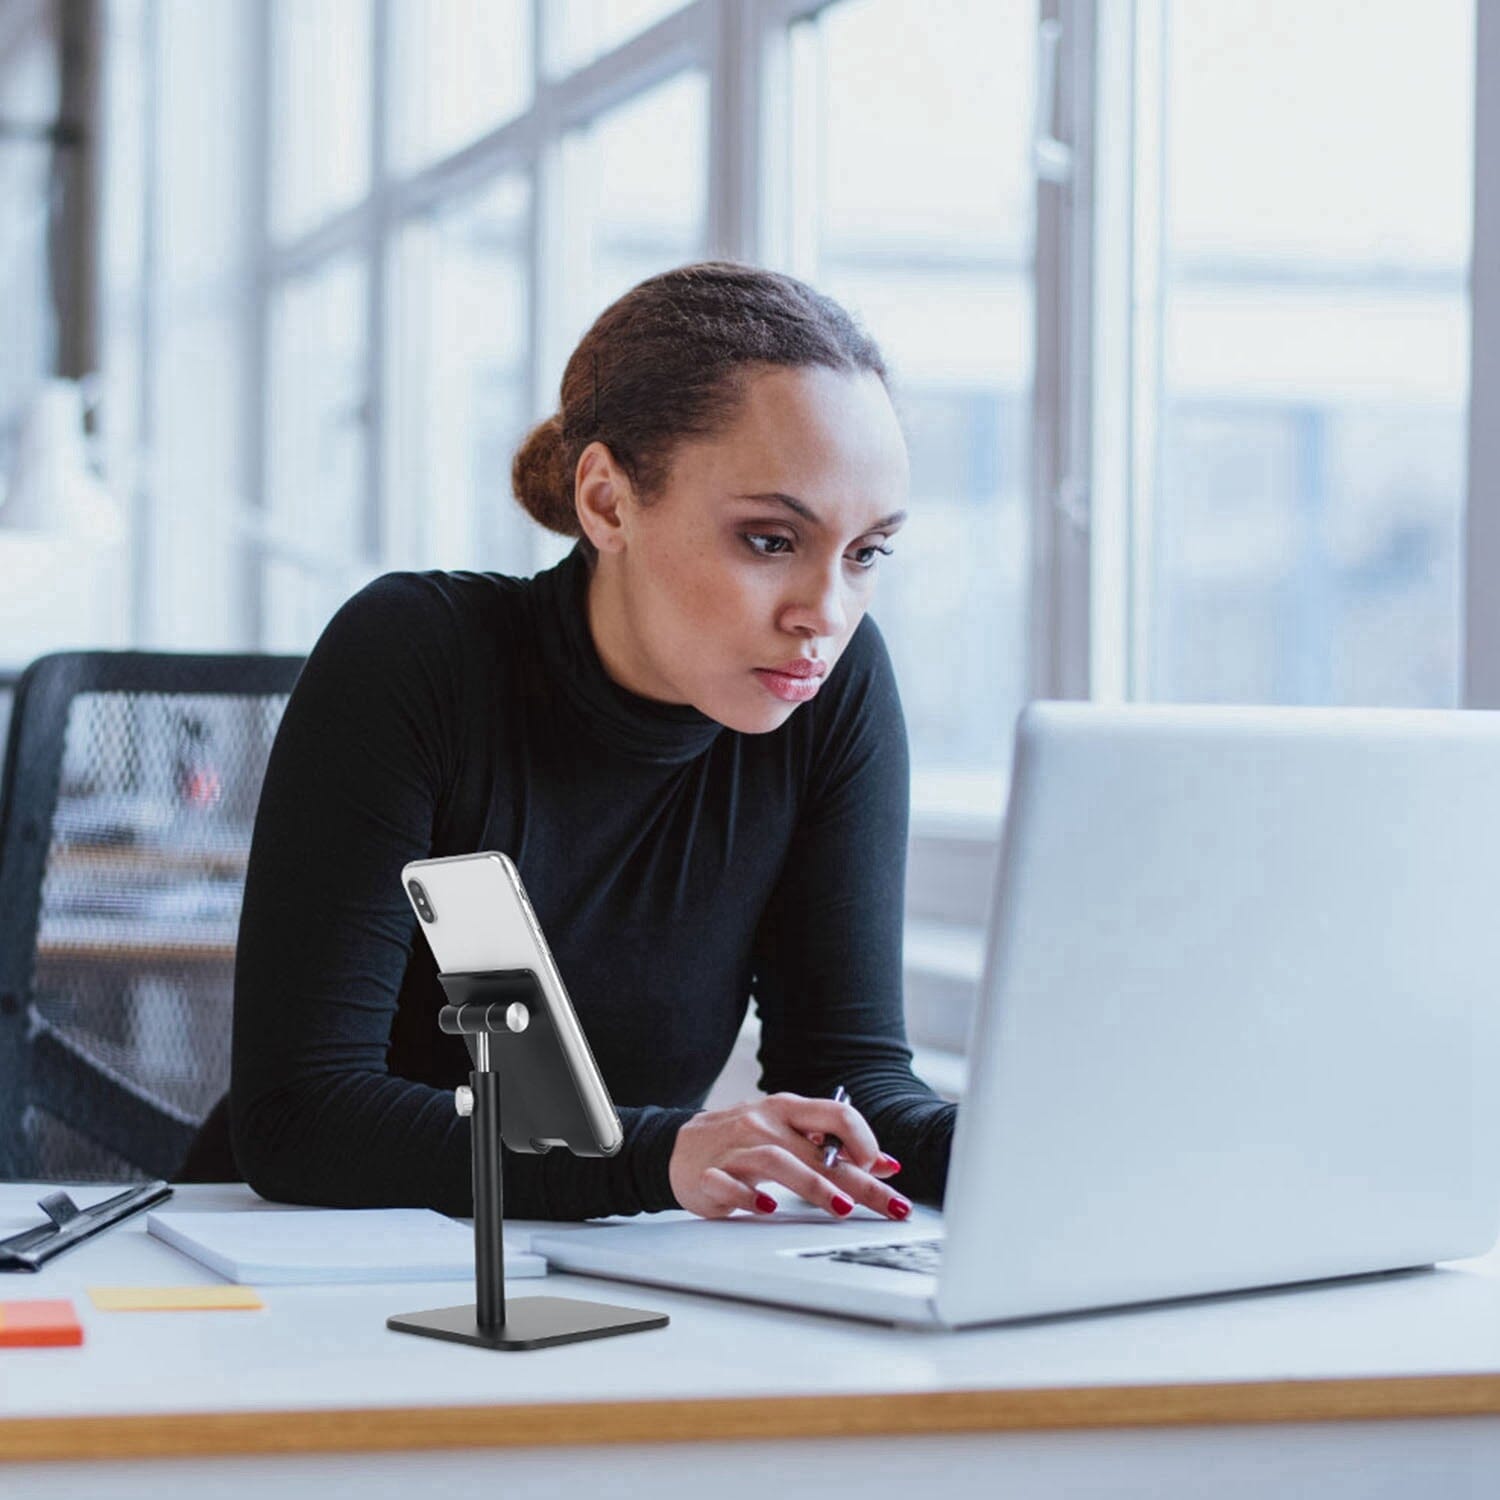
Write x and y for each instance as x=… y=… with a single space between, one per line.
x=458 y=69
x=1177 y=298
x=914 y=206
x=635 y=191
x=581 y=30
x=457 y=384
x=320 y=109
x=1314 y=249
x=200 y=237
x=427 y=271
x=29 y=96
x=316 y=446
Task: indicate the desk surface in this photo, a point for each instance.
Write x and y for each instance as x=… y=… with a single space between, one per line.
x=318 y=1371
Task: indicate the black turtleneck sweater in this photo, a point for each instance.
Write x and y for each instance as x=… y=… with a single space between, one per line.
x=677 y=868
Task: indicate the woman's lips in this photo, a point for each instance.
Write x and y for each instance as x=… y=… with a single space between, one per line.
x=788 y=688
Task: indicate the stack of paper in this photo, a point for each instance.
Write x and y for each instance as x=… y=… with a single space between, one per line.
x=307 y=1246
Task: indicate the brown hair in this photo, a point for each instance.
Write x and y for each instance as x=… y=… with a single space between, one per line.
x=667 y=362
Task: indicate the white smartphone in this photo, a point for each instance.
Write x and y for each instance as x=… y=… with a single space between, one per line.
x=476 y=917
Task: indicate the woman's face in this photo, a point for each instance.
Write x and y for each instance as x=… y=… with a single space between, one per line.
x=740 y=585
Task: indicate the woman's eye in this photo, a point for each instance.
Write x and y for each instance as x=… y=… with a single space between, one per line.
x=775 y=545
x=864 y=557
x=769 y=544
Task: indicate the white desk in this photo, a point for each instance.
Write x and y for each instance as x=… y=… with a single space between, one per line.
x=1386 y=1386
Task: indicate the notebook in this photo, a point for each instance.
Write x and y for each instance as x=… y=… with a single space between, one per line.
x=304 y=1247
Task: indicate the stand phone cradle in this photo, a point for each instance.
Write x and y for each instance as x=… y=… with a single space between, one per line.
x=485 y=1002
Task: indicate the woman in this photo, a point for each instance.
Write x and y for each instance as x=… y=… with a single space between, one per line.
x=686 y=734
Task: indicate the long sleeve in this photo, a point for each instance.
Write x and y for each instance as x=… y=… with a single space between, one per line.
x=357 y=780
x=828 y=952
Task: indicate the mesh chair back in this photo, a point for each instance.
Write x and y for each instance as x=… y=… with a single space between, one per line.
x=130 y=787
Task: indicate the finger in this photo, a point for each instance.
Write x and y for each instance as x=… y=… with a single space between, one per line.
x=884 y=1165
x=727 y=1193
x=825 y=1117
x=804 y=1148
x=783 y=1135
x=870 y=1191
x=777 y=1164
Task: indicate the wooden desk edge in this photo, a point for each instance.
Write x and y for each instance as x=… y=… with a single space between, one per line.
x=372 y=1429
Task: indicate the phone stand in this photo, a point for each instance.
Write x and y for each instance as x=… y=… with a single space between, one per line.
x=486 y=1010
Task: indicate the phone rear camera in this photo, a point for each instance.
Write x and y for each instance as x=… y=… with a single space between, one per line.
x=420 y=901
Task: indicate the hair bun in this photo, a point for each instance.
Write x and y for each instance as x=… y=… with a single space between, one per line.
x=539 y=476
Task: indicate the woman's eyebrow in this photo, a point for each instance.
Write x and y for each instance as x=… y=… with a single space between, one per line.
x=808 y=514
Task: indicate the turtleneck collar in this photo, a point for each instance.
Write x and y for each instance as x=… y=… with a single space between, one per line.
x=643 y=729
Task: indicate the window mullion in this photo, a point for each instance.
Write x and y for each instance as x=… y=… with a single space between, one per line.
x=145 y=501
x=1147 y=232
x=381 y=539
x=1046 y=417
x=546 y=230
x=1482 y=521
x=1072 y=505
x=735 y=131
x=1112 y=324
x=1060 y=582
x=674 y=43
x=256 y=344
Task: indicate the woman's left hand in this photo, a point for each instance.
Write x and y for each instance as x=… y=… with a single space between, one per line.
x=721 y=1156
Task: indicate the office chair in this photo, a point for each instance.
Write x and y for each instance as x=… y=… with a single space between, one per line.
x=130 y=786
x=8 y=682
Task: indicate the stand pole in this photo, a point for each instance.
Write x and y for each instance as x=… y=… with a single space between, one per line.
x=489 y=1214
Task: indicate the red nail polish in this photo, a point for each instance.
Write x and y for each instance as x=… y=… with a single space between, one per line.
x=842 y=1205
x=765 y=1203
x=899 y=1208
x=889 y=1164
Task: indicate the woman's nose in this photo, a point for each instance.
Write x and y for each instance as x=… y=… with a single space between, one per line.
x=820 y=610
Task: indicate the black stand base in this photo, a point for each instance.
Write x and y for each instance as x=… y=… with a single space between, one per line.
x=530 y=1323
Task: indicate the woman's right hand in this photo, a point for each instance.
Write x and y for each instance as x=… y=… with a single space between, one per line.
x=722 y=1155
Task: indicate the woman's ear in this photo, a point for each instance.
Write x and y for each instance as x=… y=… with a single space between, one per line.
x=602 y=494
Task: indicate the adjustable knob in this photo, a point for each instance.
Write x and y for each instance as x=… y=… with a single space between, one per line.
x=463 y=1100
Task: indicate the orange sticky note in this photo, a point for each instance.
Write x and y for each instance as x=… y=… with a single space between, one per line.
x=38 y=1325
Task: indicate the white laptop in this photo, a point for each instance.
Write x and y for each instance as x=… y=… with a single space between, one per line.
x=1239 y=1026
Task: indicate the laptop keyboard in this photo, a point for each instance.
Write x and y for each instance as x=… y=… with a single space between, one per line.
x=921 y=1256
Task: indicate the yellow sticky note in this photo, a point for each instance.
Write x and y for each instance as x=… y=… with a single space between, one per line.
x=173 y=1298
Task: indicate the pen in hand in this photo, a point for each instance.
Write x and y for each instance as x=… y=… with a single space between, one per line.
x=831 y=1143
